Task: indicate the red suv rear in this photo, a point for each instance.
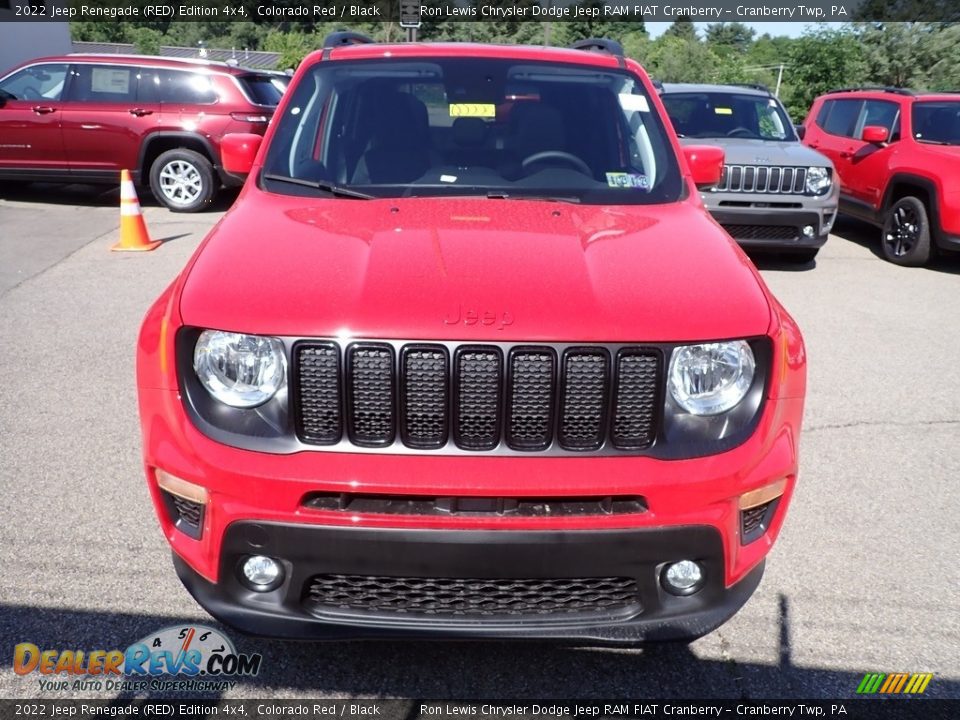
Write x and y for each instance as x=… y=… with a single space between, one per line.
x=897 y=154
x=468 y=358
x=83 y=118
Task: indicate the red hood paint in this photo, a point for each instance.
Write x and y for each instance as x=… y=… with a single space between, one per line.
x=472 y=269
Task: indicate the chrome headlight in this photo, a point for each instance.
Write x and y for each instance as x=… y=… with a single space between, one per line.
x=711 y=378
x=242 y=371
x=819 y=180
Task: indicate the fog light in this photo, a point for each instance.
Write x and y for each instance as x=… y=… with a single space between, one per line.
x=262 y=573
x=683 y=578
x=808 y=231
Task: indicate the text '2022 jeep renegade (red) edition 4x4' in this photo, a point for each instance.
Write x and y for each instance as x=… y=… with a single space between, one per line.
x=468 y=358
x=897 y=154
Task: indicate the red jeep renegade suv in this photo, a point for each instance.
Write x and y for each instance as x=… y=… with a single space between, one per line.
x=897 y=154
x=84 y=118
x=468 y=358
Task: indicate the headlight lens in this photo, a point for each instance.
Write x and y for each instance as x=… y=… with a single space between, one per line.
x=242 y=371
x=818 y=180
x=711 y=378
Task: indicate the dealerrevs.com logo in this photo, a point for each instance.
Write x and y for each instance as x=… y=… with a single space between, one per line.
x=181 y=657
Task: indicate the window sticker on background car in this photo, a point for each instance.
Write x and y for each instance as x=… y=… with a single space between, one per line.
x=628 y=180
x=723 y=111
x=448 y=178
x=481 y=110
x=637 y=103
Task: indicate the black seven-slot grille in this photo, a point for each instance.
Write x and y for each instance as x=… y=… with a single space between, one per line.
x=477 y=397
x=762 y=179
x=460 y=597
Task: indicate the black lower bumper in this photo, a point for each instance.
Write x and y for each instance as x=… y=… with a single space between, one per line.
x=774 y=229
x=432 y=562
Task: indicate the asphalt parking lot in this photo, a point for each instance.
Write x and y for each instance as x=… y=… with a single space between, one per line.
x=864 y=577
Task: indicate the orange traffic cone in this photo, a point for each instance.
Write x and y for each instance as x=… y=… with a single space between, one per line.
x=133 y=230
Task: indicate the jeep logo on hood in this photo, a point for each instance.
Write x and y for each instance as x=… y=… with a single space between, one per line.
x=476 y=316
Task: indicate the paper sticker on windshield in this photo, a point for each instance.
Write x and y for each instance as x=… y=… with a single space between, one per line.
x=723 y=111
x=638 y=103
x=481 y=110
x=628 y=180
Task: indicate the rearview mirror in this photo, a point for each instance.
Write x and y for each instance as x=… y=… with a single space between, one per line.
x=238 y=151
x=875 y=134
x=705 y=163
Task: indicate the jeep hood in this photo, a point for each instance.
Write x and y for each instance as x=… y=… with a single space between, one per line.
x=472 y=269
x=740 y=151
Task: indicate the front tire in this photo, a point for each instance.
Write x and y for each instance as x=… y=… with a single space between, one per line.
x=906 y=233
x=183 y=180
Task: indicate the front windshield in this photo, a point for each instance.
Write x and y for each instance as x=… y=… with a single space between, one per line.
x=722 y=115
x=440 y=127
x=937 y=122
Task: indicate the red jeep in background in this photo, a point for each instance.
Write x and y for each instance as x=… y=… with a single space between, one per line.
x=468 y=358
x=84 y=118
x=897 y=154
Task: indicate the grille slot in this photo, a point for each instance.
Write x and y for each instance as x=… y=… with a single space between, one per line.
x=762 y=232
x=318 y=393
x=637 y=396
x=479 y=383
x=188 y=511
x=425 y=396
x=370 y=393
x=530 y=416
x=763 y=179
x=467 y=597
x=586 y=376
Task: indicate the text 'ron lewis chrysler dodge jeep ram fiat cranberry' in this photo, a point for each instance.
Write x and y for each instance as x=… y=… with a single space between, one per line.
x=468 y=358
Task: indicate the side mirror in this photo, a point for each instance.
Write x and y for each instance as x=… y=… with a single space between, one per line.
x=875 y=134
x=238 y=151
x=801 y=131
x=705 y=163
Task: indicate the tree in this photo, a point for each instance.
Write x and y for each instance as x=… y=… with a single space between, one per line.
x=821 y=60
x=730 y=36
x=682 y=28
x=898 y=54
x=599 y=26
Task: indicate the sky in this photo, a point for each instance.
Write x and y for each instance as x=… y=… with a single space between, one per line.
x=790 y=29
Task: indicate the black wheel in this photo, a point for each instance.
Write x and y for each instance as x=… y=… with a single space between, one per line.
x=183 y=180
x=801 y=257
x=906 y=233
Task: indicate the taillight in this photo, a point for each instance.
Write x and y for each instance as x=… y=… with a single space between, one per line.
x=250 y=117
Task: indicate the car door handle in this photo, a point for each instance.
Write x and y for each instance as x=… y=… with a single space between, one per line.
x=43 y=110
x=140 y=112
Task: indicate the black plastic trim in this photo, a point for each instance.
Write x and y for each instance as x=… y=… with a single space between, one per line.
x=348 y=393
x=605 y=405
x=294 y=382
x=455 y=396
x=507 y=392
x=658 y=410
x=402 y=395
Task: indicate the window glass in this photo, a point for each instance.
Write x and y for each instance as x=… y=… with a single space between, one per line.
x=880 y=113
x=179 y=87
x=843 y=117
x=104 y=83
x=724 y=114
x=474 y=126
x=39 y=82
x=264 y=89
x=824 y=111
x=937 y=122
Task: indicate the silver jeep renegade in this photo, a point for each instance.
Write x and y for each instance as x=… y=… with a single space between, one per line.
x=774 y=194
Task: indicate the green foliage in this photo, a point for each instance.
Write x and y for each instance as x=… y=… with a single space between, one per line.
x=621 y=29
x=682 y=28
x=819 y=61
x=730 y=37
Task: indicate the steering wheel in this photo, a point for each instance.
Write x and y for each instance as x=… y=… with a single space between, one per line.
x=566 y=157
x=741 y=132
x=30 y=93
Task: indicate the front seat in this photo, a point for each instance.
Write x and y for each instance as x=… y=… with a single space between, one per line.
x=399 y=147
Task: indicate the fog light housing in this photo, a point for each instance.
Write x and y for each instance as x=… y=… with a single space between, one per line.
x=808 y=231
x=261 y=573
x=682 y=578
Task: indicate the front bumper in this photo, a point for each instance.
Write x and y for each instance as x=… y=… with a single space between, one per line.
x=479 y=558
x=759 y=221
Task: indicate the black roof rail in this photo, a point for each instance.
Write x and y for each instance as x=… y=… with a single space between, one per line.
x=345 y=37
x=753 y=86
x=599 y=45
x=874 y=88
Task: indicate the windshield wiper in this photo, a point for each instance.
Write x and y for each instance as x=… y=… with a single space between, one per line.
x=542 y=198
x=319 y=185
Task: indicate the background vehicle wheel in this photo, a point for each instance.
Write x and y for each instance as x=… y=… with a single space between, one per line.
x=801 y=257
x=183 y=180
x=906 y=233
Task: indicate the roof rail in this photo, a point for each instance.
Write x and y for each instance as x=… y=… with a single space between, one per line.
x=874 y=88
x=345 y=37
x=753 y=86
x=599 y=45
